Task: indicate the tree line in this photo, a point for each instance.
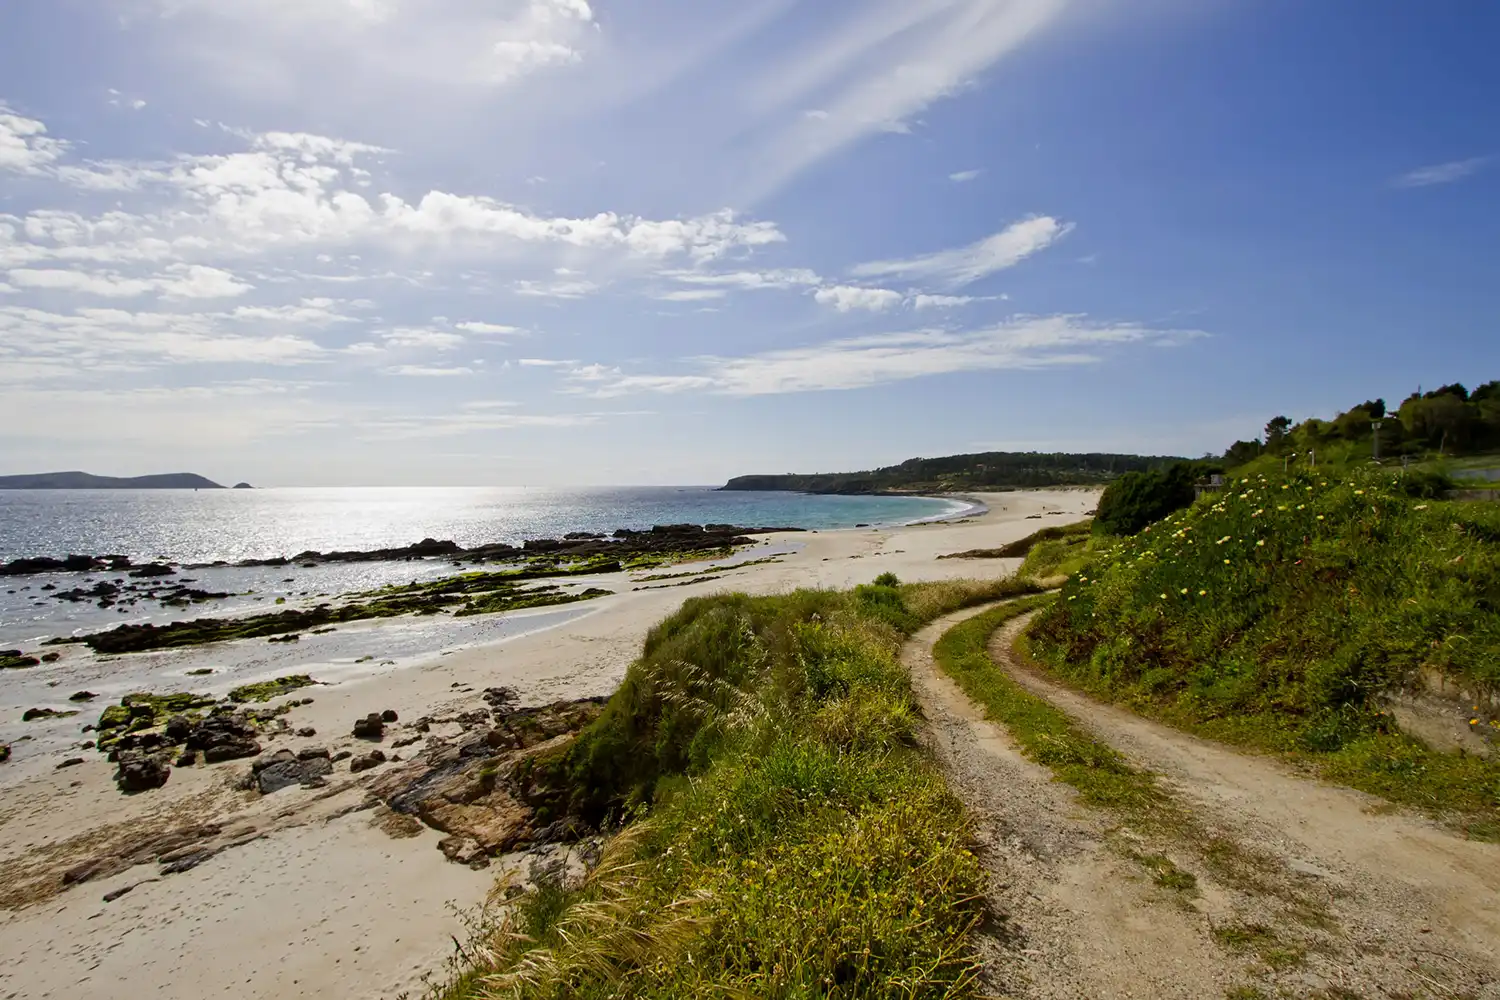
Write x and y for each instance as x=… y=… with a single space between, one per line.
x=1450 y=421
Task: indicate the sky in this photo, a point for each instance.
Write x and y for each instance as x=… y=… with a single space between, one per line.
x=570 y=242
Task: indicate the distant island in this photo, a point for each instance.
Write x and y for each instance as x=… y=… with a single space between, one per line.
x=991 y=470
x=88 y=481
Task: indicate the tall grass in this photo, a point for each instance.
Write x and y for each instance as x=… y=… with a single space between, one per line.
x=1285 y=612
x=783 y=834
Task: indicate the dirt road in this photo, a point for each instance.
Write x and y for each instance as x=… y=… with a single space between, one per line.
x=1332 y=895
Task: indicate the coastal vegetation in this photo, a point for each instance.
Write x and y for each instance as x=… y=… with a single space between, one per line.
x=1446 y=422
x=994 y=470
x=782 y=834
x=1293 y=614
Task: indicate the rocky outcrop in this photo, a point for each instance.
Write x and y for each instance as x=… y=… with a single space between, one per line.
x=483 y=788
x=284 y=769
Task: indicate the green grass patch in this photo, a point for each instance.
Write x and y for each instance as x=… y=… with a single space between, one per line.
x=1283 y=614
x=783 y=835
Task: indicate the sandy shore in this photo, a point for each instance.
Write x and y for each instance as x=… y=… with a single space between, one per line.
x=321 y=897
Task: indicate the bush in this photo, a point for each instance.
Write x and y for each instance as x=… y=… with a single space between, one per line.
x=1137 y=499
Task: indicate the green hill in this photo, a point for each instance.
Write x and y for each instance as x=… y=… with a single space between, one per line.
x=1290 y=613
x=993 y=470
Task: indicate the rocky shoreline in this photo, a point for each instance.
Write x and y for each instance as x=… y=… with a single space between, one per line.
x=471 y=775
x=662 y=539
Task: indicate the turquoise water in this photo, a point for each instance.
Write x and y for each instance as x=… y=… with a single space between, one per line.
x=207 y=525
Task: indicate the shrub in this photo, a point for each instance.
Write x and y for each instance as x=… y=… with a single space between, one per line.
x=1137 y=499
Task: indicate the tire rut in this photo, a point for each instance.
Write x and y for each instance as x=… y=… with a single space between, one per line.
x=1073 y=917
x=1416 y=909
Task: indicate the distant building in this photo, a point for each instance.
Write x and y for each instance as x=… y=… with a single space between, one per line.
x=1213 y=484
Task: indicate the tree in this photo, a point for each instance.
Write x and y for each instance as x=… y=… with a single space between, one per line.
x=1276 y=431
x=1137 y=499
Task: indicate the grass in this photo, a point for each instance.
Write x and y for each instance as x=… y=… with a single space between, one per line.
x=1064 y=553
x=1284 y=613
x=1023 y=546
x=1102 y=777
x=783 y=836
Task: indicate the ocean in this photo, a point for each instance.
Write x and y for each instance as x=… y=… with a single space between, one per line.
x=209 y=525
x=202 y=526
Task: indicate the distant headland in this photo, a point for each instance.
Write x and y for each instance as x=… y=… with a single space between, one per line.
x=994 y=470
x=88 y=481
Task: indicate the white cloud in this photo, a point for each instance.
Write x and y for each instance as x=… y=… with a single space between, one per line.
x=489 y=329
x=25 y=146
x=180 y=281
x=89 y=341
x=421 y=338
x=951 y=301
x=858 y=362
x=964 y=176
x=282 y=47
x=781 y=278
x=965 y=265
x=692 y=295
x=847 y=297
x=313 y=311
x=1443 y=173
x=555 y=289
x=543 y=363
x=427 y=371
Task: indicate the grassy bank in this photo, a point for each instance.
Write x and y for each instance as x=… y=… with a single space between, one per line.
x=1285 y=613
x=783 y=835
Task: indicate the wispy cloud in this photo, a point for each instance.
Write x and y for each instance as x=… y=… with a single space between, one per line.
x=965 y=265
x=964 y=176
x=859 y=362
x=1443 y=173
x=429 y=371
x=881 y=67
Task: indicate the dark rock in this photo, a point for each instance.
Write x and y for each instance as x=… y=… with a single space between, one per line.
x=501 y=698
x=32 y=714
x=153 y=569
x=4 y=752
x=189 y=862
x=389 y=715
x=187 y=759
x=406 y=742
x=306 y=732
x=372 y=759
x=231 y=750
x=179 y=728
x=286 y=769
x=139 y=772
x=342 y=755
x=70 y=762
x=227 y=736
x=51 y=657
x=313 y=753
x=82 y=696
x=114 y=894
x=371 y=727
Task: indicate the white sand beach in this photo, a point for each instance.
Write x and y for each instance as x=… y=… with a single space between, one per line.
x=313 y=893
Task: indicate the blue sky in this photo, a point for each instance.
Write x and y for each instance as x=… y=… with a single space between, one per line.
x=517 y=242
